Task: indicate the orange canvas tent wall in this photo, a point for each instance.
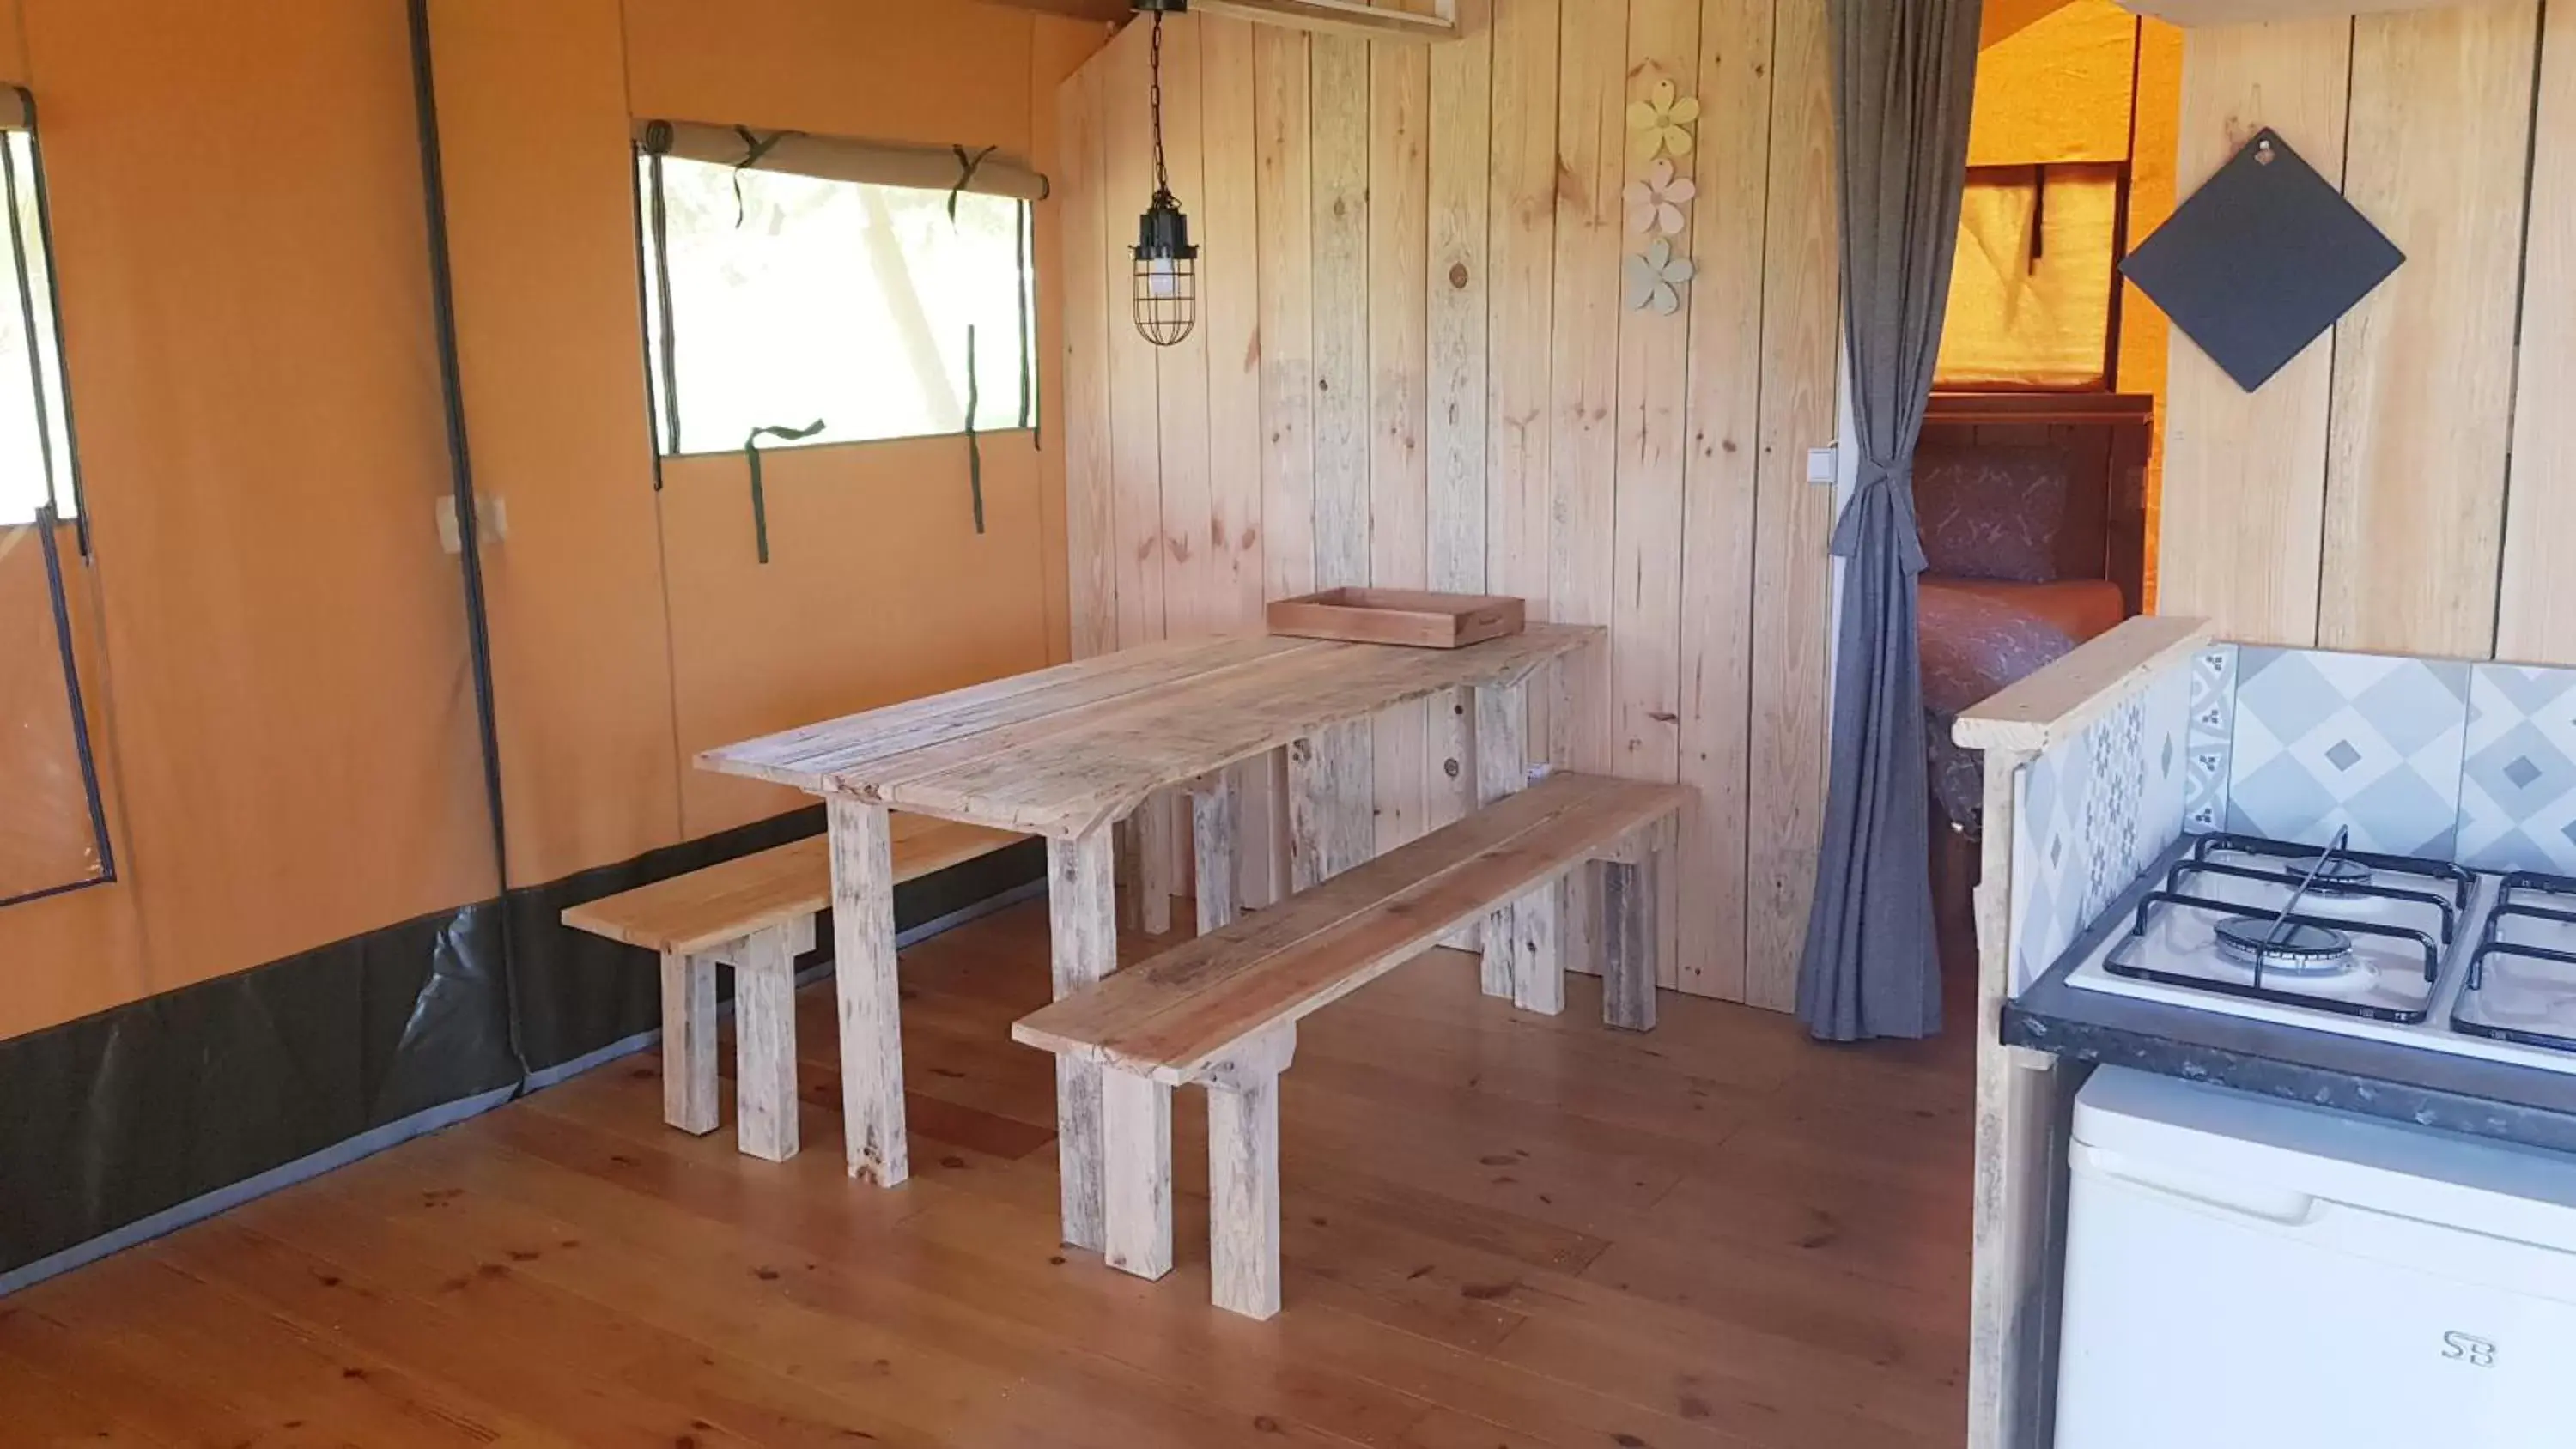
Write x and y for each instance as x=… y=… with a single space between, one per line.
x=276 y=646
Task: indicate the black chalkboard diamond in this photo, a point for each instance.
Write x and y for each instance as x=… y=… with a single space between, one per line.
x=2261 y=261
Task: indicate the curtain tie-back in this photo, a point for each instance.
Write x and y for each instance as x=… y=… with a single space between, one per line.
x=1882 y=492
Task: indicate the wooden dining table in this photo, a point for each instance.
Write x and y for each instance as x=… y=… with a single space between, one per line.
x=1064 y=753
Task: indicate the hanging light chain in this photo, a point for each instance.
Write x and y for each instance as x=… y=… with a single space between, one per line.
x=1154 y=103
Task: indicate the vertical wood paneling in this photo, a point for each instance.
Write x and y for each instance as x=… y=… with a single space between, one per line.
x=1090 y=502
x=1720 y=478
x=1449 y=393
x=1521 y=319
x=2424 y=367
x=1285 y=199
x=1456 y=295
x=2244 y=486
x=1230 y=260
x=1399 y=198
x=1646 y=533
x=1193 y=600
x=1230 y=312
x=1583 y=446
x=2536 y=615
x=1135 y=425
x=1339 y=103
x=1793 y=519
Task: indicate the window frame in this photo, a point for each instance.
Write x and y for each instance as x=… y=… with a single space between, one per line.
x=840 y=160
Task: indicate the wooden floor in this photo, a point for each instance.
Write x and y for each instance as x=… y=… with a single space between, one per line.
x=1502 y=1232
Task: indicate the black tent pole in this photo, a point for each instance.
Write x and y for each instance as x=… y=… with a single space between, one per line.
x=478 y=623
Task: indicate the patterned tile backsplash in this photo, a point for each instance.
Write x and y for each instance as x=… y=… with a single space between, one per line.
x=2518 y=780
x=2442 y=757
x=2438 y=757
x=2092 y=814
x=2324 y=741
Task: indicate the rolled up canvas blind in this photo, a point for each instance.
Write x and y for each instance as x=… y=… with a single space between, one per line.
x=838 y=158
x=17 y=109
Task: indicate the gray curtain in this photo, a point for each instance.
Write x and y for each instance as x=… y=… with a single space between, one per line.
x=1904 y=71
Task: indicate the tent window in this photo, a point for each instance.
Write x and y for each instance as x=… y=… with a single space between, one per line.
x=35 y=432
x=2031 y=290
x=774 y=299
x=53 y=823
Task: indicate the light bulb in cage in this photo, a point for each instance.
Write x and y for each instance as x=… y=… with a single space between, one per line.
x=1166 y=287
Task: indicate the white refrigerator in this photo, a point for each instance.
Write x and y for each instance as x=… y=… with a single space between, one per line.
x=2248 y=1272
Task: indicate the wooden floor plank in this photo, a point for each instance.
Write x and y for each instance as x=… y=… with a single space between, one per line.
x=1499 y=1230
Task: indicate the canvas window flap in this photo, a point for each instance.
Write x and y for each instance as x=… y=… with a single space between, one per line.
x=839 y=158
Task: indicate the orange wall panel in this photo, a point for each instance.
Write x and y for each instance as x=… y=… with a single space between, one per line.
x=883 y=70
x=532 y=119
x=878 y=589
x=247 y=345
x=2056 y=89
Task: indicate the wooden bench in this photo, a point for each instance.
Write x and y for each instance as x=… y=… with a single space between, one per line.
x=1221 y=1010
x=756 y=914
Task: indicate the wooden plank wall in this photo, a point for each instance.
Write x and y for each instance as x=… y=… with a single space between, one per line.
x=1413 y=368
x=2403 y=486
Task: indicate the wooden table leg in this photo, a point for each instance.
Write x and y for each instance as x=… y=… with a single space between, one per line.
x=1157 y=851
x=1212 y=836
x=1082 y=913
x=863 y=971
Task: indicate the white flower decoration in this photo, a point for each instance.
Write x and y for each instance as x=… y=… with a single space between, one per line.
x=1662 y=121
x=1655 y=201
x=1655 y=279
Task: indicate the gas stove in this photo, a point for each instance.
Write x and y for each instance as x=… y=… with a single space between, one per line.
x=2415 y=951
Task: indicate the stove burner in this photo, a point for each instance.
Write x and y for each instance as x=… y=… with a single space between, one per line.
x=2334 y=875
x=2292 y=948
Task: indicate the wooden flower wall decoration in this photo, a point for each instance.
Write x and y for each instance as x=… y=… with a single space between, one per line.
x=1656 y=200
x=1656 y=278
x=1662 y=122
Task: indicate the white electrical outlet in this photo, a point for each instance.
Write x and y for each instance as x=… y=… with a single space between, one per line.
x=1824 y=464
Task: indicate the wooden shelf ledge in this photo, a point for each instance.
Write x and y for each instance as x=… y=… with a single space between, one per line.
x=1345 y=17
x=2056 y=703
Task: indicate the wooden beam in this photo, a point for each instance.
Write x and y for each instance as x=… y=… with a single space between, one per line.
x=1342 y=17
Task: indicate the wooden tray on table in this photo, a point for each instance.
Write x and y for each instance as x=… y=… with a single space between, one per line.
x=1398 y=616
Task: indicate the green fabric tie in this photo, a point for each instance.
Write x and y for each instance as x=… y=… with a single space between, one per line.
x=759 y=500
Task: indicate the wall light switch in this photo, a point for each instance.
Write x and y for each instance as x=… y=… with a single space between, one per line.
x=1824 y=465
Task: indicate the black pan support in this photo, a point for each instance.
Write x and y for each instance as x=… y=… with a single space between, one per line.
x=2258 y=990
x=2463 y=882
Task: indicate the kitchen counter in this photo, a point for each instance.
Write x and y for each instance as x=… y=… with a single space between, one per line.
x=2484 y=1098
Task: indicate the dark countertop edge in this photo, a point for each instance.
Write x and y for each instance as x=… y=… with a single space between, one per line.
x=2473 y=1095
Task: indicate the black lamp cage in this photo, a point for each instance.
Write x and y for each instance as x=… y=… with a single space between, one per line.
x=1165 y=291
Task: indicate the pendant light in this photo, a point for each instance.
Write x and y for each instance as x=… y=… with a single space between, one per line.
x=1166 y=283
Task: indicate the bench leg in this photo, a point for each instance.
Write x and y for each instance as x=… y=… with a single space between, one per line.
x=764 y=1039
x=1212 y=822
x=1243 y=1175
x=1136 y=1128
x=1628 y=896
x=1082 y=915
x=863 y=972
x=1538 y=949
x=689 y=1042
x=1502 y=769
